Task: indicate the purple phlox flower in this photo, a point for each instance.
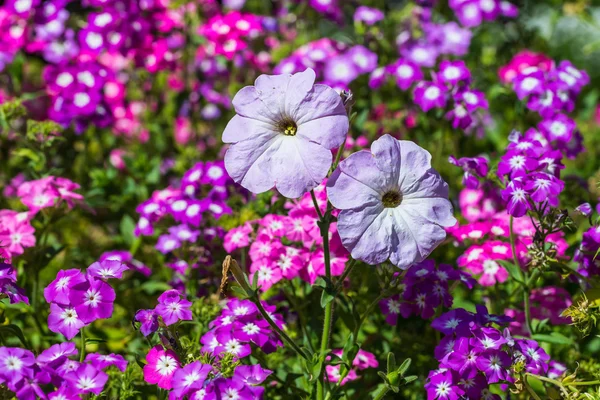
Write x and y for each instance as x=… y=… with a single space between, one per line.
x=107 y=269
x=167 y=243
x=390 y=199
x=471 y=99
x=184 y=233
x=56 y=352
x=560 y=128
x=103 y=361
x=173 y=308
x=252 y=375
x=229 y=344
x=58 y=290
x=87 y=379
x=544 y=187
x=483 y=317
x=368 y=15
x=64 y=319
x=65 y=392
x=422 y=54
x=473 y=167
x=528 y=83
x=515 y=163
x=536 y=358
x=551 y=162
x=453 y=72
x=189 y=378
x=15 y=362
x=391 y=309
x=93 y=299
x=459 y=117
x=341 y=69
x=584 y=209
x=215 y=174
x=454 y=321
x=364 y=59
x=571 y=78
x=516 y=197
x=256 y=331
x=28 y=386
x=428 y=95
x=487 y=339
x=406 y=73
x=442 y=386
x=495 y=365
x=283 y=132
x=464 y=358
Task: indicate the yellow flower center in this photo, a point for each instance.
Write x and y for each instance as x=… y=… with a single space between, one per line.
x=290 y=130
x=391 y=199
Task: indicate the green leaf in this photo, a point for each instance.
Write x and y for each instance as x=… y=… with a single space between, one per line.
x=404 y=367
x=391 y=362
x=15 y=330
x=554 y=337
x=513 y=270
x=127 y=226
x=151 y=287
x=95 y=340
x=326 y=298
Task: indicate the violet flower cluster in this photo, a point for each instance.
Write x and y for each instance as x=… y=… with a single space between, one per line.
x=474 y=355
x=54 y=374
x=426 y=287
x=172 y=308
x=200 y=381
x=239 y=325
x=335 y=63
x=531 y=169
x=79 y=298
x=8 y=284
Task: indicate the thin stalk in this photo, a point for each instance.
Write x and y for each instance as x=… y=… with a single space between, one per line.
x=301 y=319
x=343 y=277
x=284 y=336
x=530 y=390
x=381 y=393
x=316 y=204
x=328 y=319
x=82 y=355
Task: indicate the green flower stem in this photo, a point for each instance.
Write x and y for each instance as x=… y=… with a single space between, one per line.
x=316 y=204
x=328 y=320
x=284 y=336
x=526 y=301
x=381 y=393
x=530 y=390
x=82 y=333
x=561 y=384
x=342 y=278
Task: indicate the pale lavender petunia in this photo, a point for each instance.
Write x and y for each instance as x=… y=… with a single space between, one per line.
x=283 y=133
x=394 y=204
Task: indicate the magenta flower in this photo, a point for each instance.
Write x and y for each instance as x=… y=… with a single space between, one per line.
x=28 y=386
x=283 y=132
x=56 y=352
x=14 y=362
x=189 y=378
x=92 y=299
x=16 y=232
x=64 y=319
x=87 y=379
x=406 y=73
x=58 y=290
x=102 y=361
x=172 y=308
x=441 y=386
x=107 y=269
x=494 y=364
x=428 y=95
x=161 y=367
x=394 y=205
x=368 y=15
x=149 y=321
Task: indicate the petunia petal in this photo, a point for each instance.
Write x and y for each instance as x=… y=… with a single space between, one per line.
x=241 y=128
x=366 y=233
x=414 y=163
x=299 y=166
x=350 y=193
x=387 y=153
